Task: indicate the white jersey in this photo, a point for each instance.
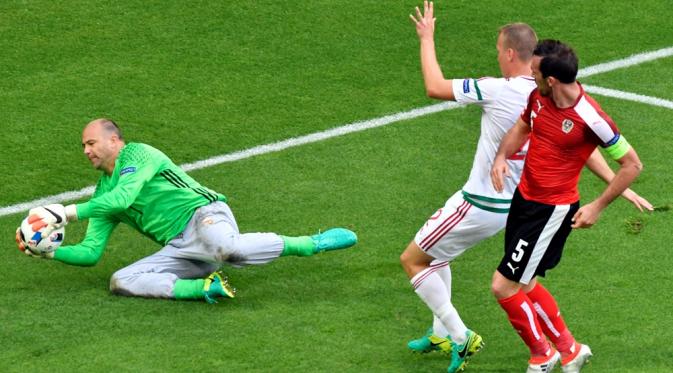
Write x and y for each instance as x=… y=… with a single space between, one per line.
x=503 y=100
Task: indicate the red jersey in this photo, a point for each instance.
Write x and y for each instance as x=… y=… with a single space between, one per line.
x=561 y=141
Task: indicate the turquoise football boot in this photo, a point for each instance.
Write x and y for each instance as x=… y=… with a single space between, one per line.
x=334 y=239
x=462 y=352
x=430 y=342
x=216 y=286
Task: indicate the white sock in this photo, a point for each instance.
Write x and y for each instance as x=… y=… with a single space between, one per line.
x=438 y=328
x=444 y=271
x=430 y=287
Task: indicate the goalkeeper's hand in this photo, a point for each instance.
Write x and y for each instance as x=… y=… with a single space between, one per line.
x=51 y=216
x=23 y=247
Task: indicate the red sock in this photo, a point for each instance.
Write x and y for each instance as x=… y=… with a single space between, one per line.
x=522 y=316
x=550 y=319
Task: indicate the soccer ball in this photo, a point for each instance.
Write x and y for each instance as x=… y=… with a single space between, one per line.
x=36 y=242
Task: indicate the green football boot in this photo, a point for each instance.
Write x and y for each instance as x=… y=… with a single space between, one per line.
x=461 y=352
x=217 y=286
x=334 y=239
x=430 y=342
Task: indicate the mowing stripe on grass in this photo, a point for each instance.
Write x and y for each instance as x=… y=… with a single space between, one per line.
x=361 y=126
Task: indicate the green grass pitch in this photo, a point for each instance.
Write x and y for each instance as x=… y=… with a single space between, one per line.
x=203 y=78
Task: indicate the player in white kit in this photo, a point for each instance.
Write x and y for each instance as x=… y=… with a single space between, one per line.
x=477 y=211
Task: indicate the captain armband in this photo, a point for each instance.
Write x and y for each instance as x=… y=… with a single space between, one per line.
x=617 y=149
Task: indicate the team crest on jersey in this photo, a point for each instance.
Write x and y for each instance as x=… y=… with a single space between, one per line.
x=567 y=125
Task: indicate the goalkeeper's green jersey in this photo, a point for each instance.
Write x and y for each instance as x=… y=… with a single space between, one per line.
x=147 y=191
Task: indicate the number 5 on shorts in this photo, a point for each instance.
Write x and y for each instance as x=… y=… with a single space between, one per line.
x=518 y=251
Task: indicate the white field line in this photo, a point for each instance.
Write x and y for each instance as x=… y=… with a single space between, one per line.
x=635 y=59
x=319 y=136
x=361 y=126
x=57 y=198
x=654 y=101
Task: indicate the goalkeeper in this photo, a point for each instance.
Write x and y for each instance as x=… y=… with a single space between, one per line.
x=143 y=188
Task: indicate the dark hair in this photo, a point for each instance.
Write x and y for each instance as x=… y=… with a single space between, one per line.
x=558 y=60
x=521 y=38
x=112 y=127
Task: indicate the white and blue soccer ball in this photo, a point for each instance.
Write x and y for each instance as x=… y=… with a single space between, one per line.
x=39 y=243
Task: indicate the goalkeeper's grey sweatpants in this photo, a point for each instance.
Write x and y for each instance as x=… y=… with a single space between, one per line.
x=210 y=239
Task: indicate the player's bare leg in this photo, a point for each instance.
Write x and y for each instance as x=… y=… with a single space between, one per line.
x=414 y=260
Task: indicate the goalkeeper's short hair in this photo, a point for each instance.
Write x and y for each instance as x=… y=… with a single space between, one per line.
x=112 y=127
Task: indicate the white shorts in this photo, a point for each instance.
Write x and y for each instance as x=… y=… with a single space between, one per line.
x=457 y=227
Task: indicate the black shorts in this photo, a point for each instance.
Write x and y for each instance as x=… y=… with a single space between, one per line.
x=534 y=238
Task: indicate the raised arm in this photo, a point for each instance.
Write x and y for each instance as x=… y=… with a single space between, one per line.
x=436 y=86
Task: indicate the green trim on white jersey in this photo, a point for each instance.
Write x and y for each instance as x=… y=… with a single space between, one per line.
x=502 y=101
x=497 y=205
x=476 y=88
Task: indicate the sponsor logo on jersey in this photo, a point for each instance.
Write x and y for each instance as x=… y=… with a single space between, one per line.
x=539 y=105
x=567 y=125
x=466 y=86
x=127 y=170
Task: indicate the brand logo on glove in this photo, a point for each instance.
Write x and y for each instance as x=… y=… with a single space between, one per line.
x=57 y=216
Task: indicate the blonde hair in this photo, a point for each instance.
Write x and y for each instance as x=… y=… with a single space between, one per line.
x=521 y=38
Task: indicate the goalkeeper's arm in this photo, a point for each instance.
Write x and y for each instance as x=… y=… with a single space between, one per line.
x=107 y=203
x=89 y=251
x=137 y=168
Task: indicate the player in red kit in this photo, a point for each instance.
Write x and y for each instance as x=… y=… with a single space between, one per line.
x=565 y=126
